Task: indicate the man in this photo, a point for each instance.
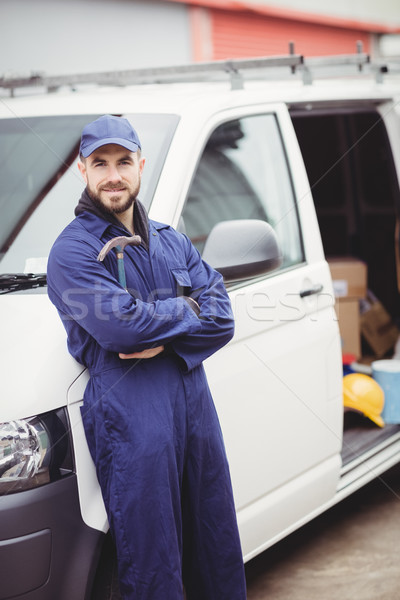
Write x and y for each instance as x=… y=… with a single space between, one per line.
x=149 y=418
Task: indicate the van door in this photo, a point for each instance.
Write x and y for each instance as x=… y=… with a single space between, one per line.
x=277 y=385
x=350 y=161
x=390 y=113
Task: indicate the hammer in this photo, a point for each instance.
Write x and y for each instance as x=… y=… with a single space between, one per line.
x=119 y=244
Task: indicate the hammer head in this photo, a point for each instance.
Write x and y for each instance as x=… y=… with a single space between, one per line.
x=122 y=241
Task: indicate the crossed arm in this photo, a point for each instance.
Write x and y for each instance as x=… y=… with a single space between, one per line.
x=151 y=352
x=86 y=293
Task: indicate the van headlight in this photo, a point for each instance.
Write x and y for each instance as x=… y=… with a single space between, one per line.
x=34 y=451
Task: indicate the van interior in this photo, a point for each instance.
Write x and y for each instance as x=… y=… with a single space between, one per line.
x=357 y=198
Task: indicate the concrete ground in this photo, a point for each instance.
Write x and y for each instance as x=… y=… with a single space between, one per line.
x=349 y=553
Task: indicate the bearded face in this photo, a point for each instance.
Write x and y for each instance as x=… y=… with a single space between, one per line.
x=113 y=176
x=113 y=203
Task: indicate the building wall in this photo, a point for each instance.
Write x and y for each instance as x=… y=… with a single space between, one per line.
x=380 y=13
x=227 y=28
x=373 y=15
x=76 y=36
x=237 y=34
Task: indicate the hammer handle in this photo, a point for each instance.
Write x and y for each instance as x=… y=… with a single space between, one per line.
x=121 y=268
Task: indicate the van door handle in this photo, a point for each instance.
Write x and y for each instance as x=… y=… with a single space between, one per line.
x=315 y=289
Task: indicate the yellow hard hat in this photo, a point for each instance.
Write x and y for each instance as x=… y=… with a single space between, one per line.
x=364 y=394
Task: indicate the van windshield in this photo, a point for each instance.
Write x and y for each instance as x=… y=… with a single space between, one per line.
x=41 y=184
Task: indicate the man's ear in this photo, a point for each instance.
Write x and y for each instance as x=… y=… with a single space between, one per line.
x=82 y=169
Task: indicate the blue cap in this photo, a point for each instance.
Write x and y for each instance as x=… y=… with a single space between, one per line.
x=108 y=130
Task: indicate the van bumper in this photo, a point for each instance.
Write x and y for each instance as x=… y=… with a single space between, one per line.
x=46 y=550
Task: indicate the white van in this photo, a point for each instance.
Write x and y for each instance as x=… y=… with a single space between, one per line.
x=319 y=162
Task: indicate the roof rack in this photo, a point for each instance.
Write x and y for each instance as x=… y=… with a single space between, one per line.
x=359 y=59
x=170 y=74
x=236 y=70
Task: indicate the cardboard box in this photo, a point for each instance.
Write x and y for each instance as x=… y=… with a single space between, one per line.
x=377 y=327
x=348 y=314
x=349 y=276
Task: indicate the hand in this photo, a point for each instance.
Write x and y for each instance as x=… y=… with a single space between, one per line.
x=148 y=353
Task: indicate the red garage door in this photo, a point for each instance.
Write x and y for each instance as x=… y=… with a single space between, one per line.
x=242 y=34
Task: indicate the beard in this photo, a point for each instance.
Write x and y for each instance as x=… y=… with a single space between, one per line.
x=114 y=208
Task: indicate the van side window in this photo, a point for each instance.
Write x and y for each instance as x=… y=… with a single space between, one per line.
x=243 y=174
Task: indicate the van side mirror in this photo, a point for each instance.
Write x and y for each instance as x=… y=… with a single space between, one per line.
x=242 y=249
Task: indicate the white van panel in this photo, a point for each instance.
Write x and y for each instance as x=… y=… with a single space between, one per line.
x=270 y=386
x=37 y=368
x=273 y=517
x=91 y=501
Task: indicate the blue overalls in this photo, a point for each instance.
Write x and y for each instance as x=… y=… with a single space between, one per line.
x=151 y=424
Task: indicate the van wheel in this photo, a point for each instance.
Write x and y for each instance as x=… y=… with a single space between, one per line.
x=106 y=585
